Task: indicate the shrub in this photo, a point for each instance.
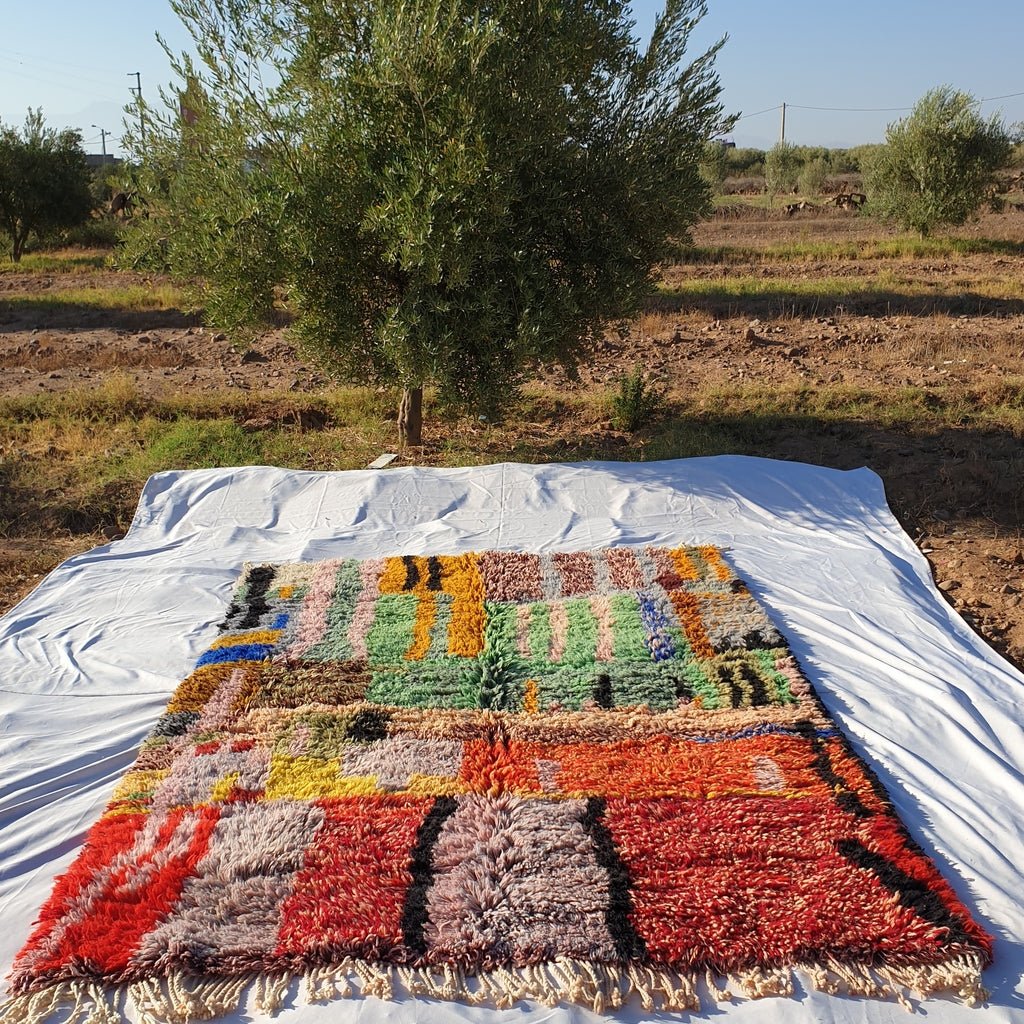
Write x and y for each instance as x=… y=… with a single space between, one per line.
x=780 y=168
x=713 y=164
x=744 y=162
x=812 y=177
x=636 y=402
x=939 y=164
x=44 y=181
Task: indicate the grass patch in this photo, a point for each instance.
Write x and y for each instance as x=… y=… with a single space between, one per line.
x=188 y=444
x=66 y=261
x=76 y=461
x=885 y=291
x=125 y=298
x=807 y=251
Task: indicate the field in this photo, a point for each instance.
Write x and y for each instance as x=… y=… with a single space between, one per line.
x=821 y=337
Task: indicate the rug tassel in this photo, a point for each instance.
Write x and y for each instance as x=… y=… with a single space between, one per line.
x=271 y=991
x=719 y=994
x=37 y=1007
x=642 y=979
x=180 y=999
x=184 y=999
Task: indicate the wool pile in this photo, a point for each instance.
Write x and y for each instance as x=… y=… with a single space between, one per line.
x=571 y=777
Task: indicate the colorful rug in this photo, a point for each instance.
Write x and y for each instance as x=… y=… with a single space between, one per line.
x=493 y=777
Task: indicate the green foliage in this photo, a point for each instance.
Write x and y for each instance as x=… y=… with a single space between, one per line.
x=95 y=233
x=443 y=192
x=44 y=181
x=812 y=176
x=805 y=155
x=1017 y=156
x=744 y=162
x=857 y=158
x=713 y=164
x=781 y=168
x=194 y=444
x=939 y=163
x=636 y=402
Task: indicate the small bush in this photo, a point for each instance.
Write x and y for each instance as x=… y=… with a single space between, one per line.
x=781 y=168
x=713 y=164
x=744 y=162
x=98 y=233
x=636 y=403
x=812 y=178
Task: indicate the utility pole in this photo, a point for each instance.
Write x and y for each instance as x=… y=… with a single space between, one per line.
x=137 y=91
x=782 y=129
x=103 y=140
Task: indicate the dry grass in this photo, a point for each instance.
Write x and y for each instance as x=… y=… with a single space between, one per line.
x=125 y=298
x=866 y=302
x=869 y=249
x=58 y=261
x=48 y=355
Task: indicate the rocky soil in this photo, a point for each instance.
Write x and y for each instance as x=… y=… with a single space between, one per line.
x=958 y=490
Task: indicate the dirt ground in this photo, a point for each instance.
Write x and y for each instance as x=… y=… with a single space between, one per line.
x=957 y=491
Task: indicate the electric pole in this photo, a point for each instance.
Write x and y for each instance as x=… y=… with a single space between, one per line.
x=782 y=128
x=103 y=140
x=137 y=91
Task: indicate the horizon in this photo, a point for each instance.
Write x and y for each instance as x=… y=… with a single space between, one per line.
x=844 y=76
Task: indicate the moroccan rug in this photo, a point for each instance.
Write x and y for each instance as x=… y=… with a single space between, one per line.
x=492 y=777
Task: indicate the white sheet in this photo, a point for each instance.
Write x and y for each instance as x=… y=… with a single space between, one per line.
x=88 y=661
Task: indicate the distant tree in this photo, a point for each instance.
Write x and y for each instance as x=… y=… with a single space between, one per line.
x=811 y=179
x=939 y=163
x=44 y=181
x=713 y=164
x=1017 y=139
x=781 y=168
x=744 y=162
x=857 y=158
x=446 y=191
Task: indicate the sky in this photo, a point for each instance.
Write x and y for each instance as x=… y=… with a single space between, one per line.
x=873 y=58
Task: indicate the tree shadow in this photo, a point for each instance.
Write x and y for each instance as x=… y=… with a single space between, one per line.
x=720 y=303
x=25 y=316
x=931 y=475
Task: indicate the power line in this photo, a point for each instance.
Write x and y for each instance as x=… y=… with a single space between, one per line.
x=1005 y=96
x=859 y=110
x=37 y=58
x=66 y=86
x=743 y=117
x=59 y=73
x=852 y=110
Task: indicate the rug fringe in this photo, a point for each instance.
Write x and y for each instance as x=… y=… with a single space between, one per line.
x=182 y=999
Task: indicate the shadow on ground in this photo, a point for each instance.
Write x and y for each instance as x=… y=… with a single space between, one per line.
x=16 y=316
x=931 y=475
x=720 y=303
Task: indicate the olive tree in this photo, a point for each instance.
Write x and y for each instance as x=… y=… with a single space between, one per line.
x=781 y=168
x=44 y=181
x=713 y=164
x=440 y=192
x=939 y=163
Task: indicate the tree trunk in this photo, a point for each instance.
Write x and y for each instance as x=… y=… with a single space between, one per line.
x=410 y=416
x=18 y=248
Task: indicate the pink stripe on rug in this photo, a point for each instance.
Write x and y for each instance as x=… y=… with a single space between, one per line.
x=523 y=613
x=363 y=613
x=559 y=630
x=602 y=609
x=577 y=571
x=313 y=623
